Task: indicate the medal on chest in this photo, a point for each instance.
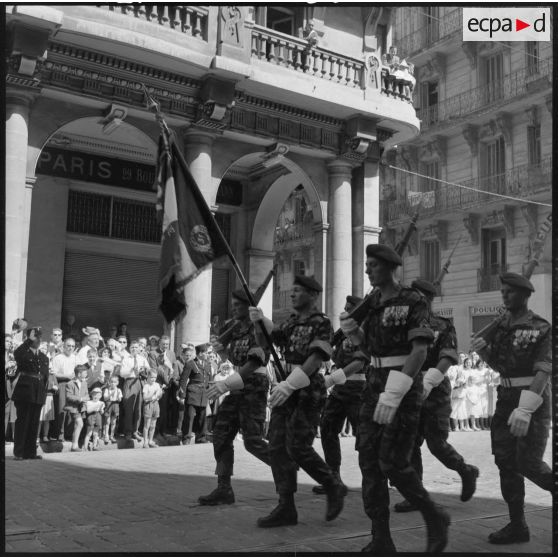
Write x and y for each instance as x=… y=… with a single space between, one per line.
x=525 y=337
x=394 y=316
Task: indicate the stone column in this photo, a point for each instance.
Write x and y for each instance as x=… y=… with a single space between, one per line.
x=320 y=259
x=340 y=258
x=194 y=327
x=260 y=263
x=18 y=203
x=367 y=223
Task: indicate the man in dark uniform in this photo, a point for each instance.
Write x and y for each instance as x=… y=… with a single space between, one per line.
x=519 y=348
x=395 y=333
x=29 y=394
x=344 y=399
x=193 y=385
x=434 y=423
x=304 y=340
x=244 y=408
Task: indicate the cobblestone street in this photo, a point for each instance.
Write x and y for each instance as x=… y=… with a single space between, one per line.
x=145 y=500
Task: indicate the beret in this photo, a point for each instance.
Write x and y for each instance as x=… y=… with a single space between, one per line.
x=383 y=252
x=354 y=300
x=424 y=286
x=308 y=282
x=516 y=280
x=202 y=348
x=240 y=294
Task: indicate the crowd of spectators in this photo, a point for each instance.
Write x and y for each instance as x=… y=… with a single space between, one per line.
x=473 y=396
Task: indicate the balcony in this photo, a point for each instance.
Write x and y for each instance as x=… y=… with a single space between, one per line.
x=512 y=86
x=488 y=279
x=293 y=236
x=522 y=181
x=429 y=35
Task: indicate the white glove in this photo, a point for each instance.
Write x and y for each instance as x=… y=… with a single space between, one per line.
x=433 y=378
x=397 y=385
x=347 y=325
x=297 y=379
x=256 y=314
x=520 y=418
x=337 y=378
x=234 y=381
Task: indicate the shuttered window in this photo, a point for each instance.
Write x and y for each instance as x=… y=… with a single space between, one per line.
x=104 y=290
x=220 y=293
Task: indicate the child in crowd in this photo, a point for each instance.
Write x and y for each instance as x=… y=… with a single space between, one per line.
x=47 y=410
x=77 y=394
x=93 y=411
x=112 y=396
x=473 y=401
x=152 y=392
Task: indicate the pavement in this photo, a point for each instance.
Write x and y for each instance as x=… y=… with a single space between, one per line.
x=145 y=500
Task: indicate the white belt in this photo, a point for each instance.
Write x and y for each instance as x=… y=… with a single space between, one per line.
x=356 y=377
x=516 y=382
x=386 y=362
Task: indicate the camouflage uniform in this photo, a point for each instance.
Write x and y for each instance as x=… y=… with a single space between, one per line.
x=513 y=351
x=434 y=423
x=294 y=424
x=385 y=450
x=242 y=409
x=343 y=401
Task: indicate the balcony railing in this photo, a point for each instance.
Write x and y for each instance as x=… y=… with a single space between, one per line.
x=190 y=20
x=437 y=30
x=299 y=234
x=513 y=85
x=488 y=279
x=291 y=52
x=522 y=181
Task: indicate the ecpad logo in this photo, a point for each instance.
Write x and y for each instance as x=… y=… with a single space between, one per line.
x=506 y=24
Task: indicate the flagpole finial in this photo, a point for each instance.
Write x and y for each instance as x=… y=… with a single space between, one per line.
x=150 y=102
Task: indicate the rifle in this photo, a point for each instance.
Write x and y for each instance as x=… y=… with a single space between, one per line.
x=358 y=313
x=445 y=269
x=225 y=335
x=544 y=229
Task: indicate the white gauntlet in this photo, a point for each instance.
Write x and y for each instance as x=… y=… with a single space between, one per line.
x=433 y=378
x=397 y=386
x=520 y=418
x=337 y=377
x=234 y=381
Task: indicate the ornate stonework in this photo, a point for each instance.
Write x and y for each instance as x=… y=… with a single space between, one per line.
x=532 y=115
x=472 y=223
x=502 y=216
x=504 y=126
x=470 y=50
x=231 y=25
x=438 y=231
x=471 y=135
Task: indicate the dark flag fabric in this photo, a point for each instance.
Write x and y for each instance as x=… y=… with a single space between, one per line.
x=191 y=239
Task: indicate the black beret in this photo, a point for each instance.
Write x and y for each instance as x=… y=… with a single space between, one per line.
x=383 y=252
x=240 y=294
x=307 y=282
x=516 y=280
x=354 y=300
x=424 y=286
x=202 y=348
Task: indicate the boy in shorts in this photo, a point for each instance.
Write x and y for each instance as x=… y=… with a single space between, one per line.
x=94 y=419
x=152 y=392
x=112 y=397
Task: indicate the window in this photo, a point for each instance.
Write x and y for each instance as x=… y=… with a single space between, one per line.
x=112 y=217
x=224 y=222
x=493 y=259
x=534 y=144
x=299 y=267
x=493 y=77
x=493 y=165
x=430 y=260
x=280 y=18
x=429 y=101
x=431 y=169
x=532 y=57
x=431 y=23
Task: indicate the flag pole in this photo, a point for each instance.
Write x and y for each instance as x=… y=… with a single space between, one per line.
x=154 y=106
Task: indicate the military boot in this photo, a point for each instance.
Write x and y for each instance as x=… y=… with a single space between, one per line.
x=284 y=514
x=223 y=494
x=335 y=491
x=469 y=475
x=381 y=543
x=510 y=534
x=404 y=507
x=319 y=489
x=437 y=524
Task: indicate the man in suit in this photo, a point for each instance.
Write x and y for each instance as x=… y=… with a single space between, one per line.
x=29 y=394
x=193 y=385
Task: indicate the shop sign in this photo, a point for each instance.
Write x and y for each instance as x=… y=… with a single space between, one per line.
x=96 y=168
x=486 y=310
x=445 y=312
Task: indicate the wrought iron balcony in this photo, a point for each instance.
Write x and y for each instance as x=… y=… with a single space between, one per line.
x=488 y=279
x=513 y=85
x=190 y=20
x=294 y=53
x=522 y=181
x=298 y=234
x=428 y=35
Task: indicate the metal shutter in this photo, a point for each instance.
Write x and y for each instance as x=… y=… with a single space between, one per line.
x=104 y=290
x=220 y=293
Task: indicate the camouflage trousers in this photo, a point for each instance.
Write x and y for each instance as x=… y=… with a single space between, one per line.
x=292 y=430
x=385 y=452
x=434 y=427
x=241 y=410
x=515 y=457
x=343 y=402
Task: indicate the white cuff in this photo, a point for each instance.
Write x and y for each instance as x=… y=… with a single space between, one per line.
x=433 y=377
x=397 y=385
x=529 y=400
x=338 y=376
x=234 y=381
x=298 y=379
